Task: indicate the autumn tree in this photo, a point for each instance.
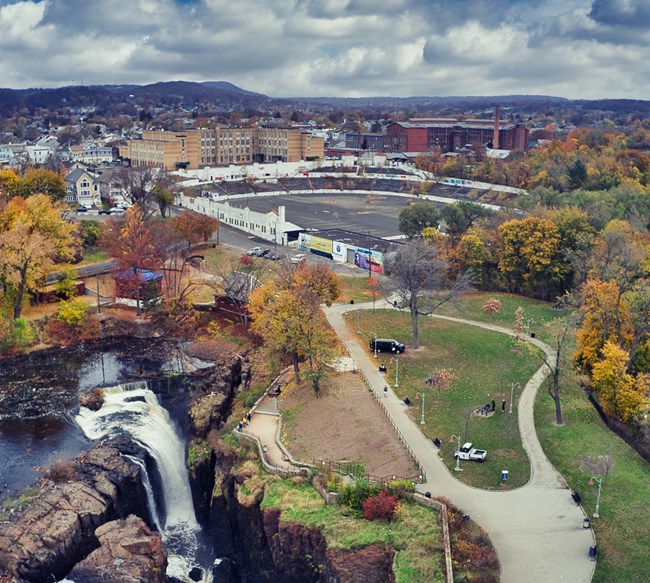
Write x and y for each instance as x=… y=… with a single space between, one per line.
x=419 y=277
x=135 y=242
x=620 y=394
x=193 y=227
x=286 y=314
x=163 y=197
x=529 y=250
x=416 y=217
x=475 y=251
x=605 y=318
x=460 y=216
x=440 y=380
x=33 y=238
x=43 y=181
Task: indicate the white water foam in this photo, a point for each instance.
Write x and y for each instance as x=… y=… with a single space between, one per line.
x=134 y=409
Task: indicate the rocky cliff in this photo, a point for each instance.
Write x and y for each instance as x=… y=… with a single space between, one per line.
x=85 y=524
x=59 y=528
x=268 y=549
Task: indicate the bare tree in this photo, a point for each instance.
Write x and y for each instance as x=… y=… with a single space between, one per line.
x=419 y=277
x=136 y=184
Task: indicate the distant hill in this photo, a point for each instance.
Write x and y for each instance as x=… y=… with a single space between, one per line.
x=215 y=96
x=226 y=86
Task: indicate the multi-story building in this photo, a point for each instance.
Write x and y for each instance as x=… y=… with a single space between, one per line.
x=288 y=145
x=222 y=146
x=91 y=154
x=82 y=188
x=449 y=134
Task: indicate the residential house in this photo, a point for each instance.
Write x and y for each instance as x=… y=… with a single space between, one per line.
x=82 y=188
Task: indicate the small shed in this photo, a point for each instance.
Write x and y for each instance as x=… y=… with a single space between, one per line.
x=133 y=286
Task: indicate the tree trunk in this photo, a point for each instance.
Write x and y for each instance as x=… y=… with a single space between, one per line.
x=556 y=399
x=20 y=292
x=296 y=369
x=415 y=324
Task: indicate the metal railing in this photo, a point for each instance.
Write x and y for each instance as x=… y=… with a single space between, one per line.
x=423 y=475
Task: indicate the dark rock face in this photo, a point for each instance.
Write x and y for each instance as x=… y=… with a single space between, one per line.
x=128 y=551
x=268 y=550
x=58 y=529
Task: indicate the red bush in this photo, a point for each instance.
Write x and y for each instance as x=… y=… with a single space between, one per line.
x=380 y=507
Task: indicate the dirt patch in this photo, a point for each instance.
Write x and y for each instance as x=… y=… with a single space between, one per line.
x=345 y=423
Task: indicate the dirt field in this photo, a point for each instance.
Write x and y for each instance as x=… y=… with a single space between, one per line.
x=345 y=423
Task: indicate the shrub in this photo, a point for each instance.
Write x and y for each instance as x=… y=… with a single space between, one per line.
x=72 y=312
x=23 y=333
x=400 y=487
x=59 y=472
x=66 y=284
x=381 y=507
x=354 y=495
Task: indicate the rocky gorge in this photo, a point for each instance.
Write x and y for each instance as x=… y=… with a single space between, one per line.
x=93 y=516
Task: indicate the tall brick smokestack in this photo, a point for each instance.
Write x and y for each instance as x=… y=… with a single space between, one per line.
x=495 y=138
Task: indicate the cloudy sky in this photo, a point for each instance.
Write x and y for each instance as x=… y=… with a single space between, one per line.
x=570 y=48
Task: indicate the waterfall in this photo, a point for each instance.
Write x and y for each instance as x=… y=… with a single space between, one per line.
x=132 y=408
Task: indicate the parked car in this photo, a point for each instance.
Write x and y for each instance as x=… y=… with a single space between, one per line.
x=81 y=209
x=116 y=209
x=264 y=253
x=273 y=256
x=104 y=211
x=297 y=258
x=254 y=251
x=469 y=452
x=386 y=345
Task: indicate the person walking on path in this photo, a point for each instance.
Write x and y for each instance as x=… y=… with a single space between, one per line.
x=385 y=390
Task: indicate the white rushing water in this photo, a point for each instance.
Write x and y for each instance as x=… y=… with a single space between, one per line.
x=134 y=409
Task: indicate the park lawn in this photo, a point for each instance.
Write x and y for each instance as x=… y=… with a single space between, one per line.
x=486 y=363
x=91 y=256
x=575 y=449
x=414 y=531
x=358 y=289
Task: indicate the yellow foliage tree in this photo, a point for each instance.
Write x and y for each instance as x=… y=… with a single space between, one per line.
x=529 y=249
x=286 y=314
x=620 y=394
x=604 y=318
x=33 y=237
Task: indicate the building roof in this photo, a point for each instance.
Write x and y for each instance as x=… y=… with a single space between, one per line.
x=76 y=174
x=144 y=275
x=356 y=239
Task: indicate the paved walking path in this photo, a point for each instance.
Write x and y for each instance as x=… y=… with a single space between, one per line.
x=536 y=529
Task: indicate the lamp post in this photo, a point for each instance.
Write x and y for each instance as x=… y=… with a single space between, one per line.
x=600 y=485
x=512 y=394
x=396 y=372
x=422 y=411
x=451 y=440
x=375 y=343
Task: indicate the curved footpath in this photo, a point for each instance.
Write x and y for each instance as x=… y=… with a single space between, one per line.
x=536 y=529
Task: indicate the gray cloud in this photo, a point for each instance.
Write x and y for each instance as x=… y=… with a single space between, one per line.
x=572 y=48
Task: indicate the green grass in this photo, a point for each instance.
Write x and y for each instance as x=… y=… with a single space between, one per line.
x=92 y=255
x=359 y=289
x=25 y=498
x=486 y=363
x=414 y=531
x=469 y=307
x=623 y=529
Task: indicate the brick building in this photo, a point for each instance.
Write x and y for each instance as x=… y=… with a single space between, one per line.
x=201 y=147
x=450 y=134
